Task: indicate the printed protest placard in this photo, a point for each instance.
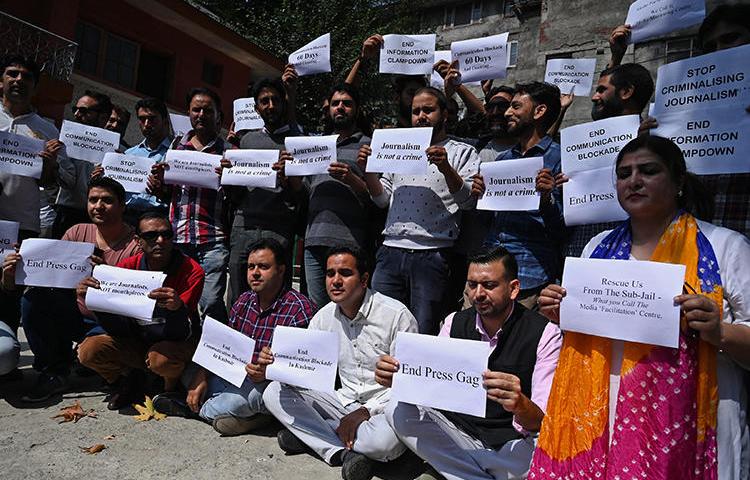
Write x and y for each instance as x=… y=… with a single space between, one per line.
x=224 y=351
x=622 y=299
x=8 y=237
x=124 y=291
x=407 y=54
x=19 y=155
x=481 y=58
x=590 y=197
x=440 y=372
x=436 y=80
x=250 y=168
x=655 y=18
x=400 y=150
x=304 y=358
x=53 y=263
x=576 y=74
x=315 y=57
x=510 y=185
x=245 y=116
x=180 y=124
x=713 y=140
x=130 y=170
x=193 y=169
x=87 y=143
x=311 y=155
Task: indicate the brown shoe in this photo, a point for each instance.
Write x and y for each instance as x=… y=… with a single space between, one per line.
x=230 y=426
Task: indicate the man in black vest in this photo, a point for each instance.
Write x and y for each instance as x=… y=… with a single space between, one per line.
x=524 y=349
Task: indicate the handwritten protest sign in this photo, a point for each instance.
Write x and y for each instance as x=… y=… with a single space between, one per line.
x=53 y=263
x=315 y=57
x=655 y=18
x=250 y=168
x=130 y=170
x=510 y=185
x=407 y=54
x=304 y=358
x=439 y=372
x=576 y=74
x=180 y=124
x=88 y=143
x=245 y=116
x=8 y=237
x=311 y=155
x=623 y=300
x=193 y=169
x=400 y=150
x=481 y=58
x=19 y=155
x=124 y=291
x=224 y=351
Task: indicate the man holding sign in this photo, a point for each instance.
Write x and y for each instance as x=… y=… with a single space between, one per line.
x=524 y=351
x=348 y=428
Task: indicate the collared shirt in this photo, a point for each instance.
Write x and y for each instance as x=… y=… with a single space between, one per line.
x=533 y=237
x=291 y=309
x=362 y=340
x=197 y=214
x=145 y=201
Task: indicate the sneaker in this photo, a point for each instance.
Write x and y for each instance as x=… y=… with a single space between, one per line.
x=230 y=426
x=173 y=404
x=290 y=444
x=45 y=387
x=356 y=466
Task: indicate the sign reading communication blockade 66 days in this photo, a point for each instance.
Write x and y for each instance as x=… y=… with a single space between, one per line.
x=19 y=155
x=87 y=143
x=407 y=54
x=315 y=57
x=481 y=58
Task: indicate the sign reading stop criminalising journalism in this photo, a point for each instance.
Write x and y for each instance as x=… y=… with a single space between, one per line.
x=87 y=143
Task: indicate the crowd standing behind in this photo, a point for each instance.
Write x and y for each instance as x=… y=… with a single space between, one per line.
x=558 y=405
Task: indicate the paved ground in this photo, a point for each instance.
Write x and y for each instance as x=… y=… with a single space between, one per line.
x=34 y=446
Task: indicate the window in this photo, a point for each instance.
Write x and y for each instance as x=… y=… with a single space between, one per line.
x=512 y=53
x=154 y=74
x=120 y=61
x=88 y=39
x=212 y=73
x=463 y=14
x=678 y=49
x=515 y=7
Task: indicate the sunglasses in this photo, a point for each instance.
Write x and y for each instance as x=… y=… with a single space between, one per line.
x=154 y=234
x=84 y=110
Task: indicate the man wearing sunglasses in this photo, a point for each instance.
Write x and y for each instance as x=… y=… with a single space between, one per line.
x=166 y=344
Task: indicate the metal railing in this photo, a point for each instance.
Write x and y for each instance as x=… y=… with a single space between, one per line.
x=54 y=54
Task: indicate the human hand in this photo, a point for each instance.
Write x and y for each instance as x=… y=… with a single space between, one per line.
x=702 y=315
x=384 y=370
x=549 y=302
x=477 y=185
x=166 y=297
x=347 y=429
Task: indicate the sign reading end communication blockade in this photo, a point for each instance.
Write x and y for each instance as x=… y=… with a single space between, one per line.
x=481 y=58
x=124 y=292
x=439 y=372
x=192 y=169
x=311 y=155
x=304 y=358
x=130 y=170
x=245 y=116
x=655 y=18
x=622 y=299
x=19 y=155
x=224 y=351
x=315 y=57
x=400 y=150
x=407 y=54
x=510 y=185
x=53 y=263
x=87 y=143
x=568 y=74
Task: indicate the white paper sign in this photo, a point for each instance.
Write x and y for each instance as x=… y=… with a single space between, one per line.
x=124 y=291
x=224 y=351
x=311 y=155
x=245 y=116
x=713 y=140
x=481 y=58
x=713 y=80
x=87 y=143
x=180 y=124
x=571 y=73
x=130 y=170
x=19 y=155
x=436 y=80
x=315 y=57
x=8 y=237
x=407 y=54
x=53 y=263
x=190 y=168
x=596 y=144
x=439 y=372
x=590 y=197
x=250 y=168
x=622 y=299
x=304 y=358
x=510 y=185
x=400 y=150
x=655 y=18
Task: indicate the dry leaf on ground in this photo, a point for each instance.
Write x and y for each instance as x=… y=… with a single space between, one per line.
x=93 y=449
x=73 y=413
x=147 y=411
x=110 y=437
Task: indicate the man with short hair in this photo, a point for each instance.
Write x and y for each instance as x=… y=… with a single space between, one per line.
x=118 y=122
x=347 y=428
x=164 y=345
x=498 y=101
x=268 y=304
x=524 y=350
x=423 y=216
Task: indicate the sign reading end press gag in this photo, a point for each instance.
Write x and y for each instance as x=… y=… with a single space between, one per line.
x=192 y=169
x=407 y=54
x=400 y=150
x=53 y=263
x=8 y=237
x=124 y=291
x=130 y=170
x=315 y=57
x=250 y=168
x=571 y=74
x=19 y=155
x=481 y=58
x=87 y=143
x=245 y=115
x=510 y=185
x=304 y=358
x=311 y=155
x=224 y=351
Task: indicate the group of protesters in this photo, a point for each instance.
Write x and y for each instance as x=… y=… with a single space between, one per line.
x=385 y=253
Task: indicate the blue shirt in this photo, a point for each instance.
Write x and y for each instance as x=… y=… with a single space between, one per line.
x=144 y=201
x=533 y=237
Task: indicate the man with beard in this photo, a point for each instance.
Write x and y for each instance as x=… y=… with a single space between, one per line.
x=532 y=237
x=118 y=122
x=498 y=101
x=412 y=265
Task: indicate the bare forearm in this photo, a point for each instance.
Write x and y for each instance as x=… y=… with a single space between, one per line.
x=735 y=342
x=529 y=416
x=470 y=100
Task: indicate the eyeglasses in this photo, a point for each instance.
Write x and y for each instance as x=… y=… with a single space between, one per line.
x=84 y=110
x=154 y=234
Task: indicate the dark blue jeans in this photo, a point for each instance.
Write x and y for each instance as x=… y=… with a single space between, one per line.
x=416 y=278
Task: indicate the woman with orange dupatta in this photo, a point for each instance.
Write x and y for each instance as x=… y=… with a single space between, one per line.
x=624 y=410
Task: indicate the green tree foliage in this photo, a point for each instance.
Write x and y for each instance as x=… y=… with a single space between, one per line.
x=283 y=26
